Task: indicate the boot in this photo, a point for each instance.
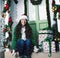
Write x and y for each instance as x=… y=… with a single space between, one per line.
x=27 y=56
x=21 y=56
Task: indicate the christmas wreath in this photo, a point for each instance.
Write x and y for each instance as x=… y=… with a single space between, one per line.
x=36 y=2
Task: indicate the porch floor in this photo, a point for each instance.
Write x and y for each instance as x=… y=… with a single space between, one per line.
x=36 y=55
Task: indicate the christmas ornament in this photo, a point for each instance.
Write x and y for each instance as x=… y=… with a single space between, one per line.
x=3 y=15
x=10 y=19
x=54 y=8
x=6 y=6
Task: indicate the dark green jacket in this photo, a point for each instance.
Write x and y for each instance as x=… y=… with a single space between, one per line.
x=15 y=38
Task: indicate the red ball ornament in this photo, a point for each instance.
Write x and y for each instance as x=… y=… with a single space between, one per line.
x=6 y=6
x=10 y=19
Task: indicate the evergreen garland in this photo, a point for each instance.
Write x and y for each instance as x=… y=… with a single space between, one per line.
x=7 y=30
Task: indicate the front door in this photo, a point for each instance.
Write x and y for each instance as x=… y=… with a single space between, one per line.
x=37 y=16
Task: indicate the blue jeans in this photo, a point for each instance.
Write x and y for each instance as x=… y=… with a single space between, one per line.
x=24 y=47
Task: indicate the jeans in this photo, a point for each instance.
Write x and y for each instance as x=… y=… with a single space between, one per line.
x=24 y=47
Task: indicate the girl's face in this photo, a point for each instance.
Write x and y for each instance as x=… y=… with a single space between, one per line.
x=23 y=22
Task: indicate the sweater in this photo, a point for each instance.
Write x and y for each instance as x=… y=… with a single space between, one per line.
x=15 y=39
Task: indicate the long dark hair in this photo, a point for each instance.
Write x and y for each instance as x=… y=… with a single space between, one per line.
x=28 y=30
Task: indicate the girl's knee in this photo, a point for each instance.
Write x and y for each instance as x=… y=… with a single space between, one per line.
x=28 y=42
x=20 y=42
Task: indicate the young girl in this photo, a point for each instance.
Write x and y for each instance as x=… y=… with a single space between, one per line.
x=22 y=41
